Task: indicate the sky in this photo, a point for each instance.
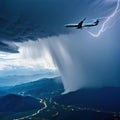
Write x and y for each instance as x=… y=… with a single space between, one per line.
x=33 y=38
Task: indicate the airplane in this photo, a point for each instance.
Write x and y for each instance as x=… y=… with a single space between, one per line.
x=80 y=24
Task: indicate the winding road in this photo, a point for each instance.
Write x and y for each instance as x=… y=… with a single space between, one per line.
x=34 y=114
x=53 y=112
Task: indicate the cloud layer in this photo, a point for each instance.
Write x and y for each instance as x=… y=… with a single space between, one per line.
x=32 y=19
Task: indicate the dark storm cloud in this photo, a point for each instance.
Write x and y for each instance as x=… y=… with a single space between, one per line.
x=21 y=20
x=5 y=47
x=31 y=19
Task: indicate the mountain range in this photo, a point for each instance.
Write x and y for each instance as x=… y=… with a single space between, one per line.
x=47 y=87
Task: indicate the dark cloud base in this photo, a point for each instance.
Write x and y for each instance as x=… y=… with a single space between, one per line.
x=32 y=19
x=8 y=48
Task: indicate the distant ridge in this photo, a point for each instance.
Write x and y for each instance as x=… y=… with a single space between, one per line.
x=47 y=87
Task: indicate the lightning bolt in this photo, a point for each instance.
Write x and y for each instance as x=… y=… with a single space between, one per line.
x=104 y=26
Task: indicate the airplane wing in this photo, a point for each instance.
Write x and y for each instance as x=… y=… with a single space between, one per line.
x=81 y=22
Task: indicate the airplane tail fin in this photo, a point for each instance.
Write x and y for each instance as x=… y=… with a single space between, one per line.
x=96 y=22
